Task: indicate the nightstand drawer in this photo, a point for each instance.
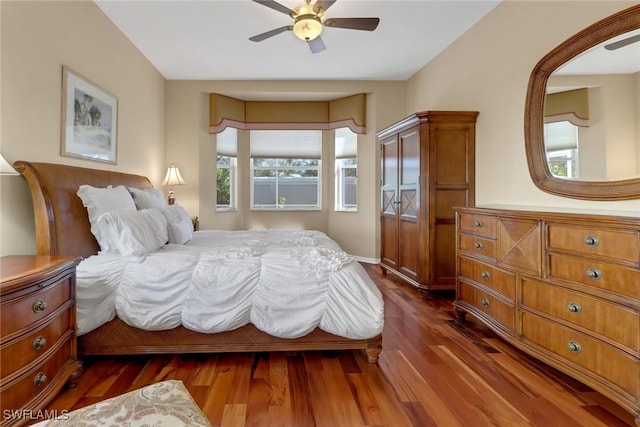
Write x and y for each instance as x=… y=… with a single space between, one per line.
x=602 y=275
x=594 y=314
x=18 y=393
x=478 y=246
x=500 y=281
x=21 y=352
x=478 y=224
x=23 y=311
x=490 y=305
x=621 y=245
x=581 y=350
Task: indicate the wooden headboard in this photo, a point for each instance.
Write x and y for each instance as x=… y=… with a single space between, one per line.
x=62 y=223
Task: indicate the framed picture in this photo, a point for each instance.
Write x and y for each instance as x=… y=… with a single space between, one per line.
x=89 y=119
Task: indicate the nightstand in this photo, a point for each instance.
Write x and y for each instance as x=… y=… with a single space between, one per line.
x=38 y=333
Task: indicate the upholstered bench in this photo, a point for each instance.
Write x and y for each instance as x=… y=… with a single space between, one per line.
x=166 y=403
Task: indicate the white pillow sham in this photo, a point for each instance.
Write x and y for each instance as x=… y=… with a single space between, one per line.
x=180 y=226
x=134 y=234
x=146 y=199
x=101 y=200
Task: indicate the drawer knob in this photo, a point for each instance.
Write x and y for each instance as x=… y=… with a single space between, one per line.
x=574 y=347
x=39 y=379
x=39 y=306
x=479 y=245
x=485 y=275
x=591 y=241
x=594 y=273
x=574 y=308
x=39 y=343
x=478 y=223
x=485 y=302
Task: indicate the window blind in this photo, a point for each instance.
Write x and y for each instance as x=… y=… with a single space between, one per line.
x=286 y=144
x=227 y=142
x=346 y=143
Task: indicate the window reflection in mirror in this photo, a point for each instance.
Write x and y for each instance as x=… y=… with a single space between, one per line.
x=561 y=141
x=597 y=92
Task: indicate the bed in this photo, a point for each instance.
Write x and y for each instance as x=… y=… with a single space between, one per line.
x=63 y=228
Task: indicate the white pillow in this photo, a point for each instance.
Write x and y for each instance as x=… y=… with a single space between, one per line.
x=101 y=200
x=149 y=198
x=179 y=222
x=134 y=233
x=180 y=232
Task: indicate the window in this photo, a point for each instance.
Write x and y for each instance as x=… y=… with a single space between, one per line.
x=226 y=143
x=346 y=170
x=285 y=169
x=563 y=163
x=561 y=144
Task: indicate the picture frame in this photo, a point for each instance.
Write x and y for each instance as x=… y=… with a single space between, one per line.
x=89 y=119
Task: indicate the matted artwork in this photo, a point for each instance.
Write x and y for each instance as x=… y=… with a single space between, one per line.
x=89 y=119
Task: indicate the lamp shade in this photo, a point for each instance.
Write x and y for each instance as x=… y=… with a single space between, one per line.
x=5 y=167
x=173 y=177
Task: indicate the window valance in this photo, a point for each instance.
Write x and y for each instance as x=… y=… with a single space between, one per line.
x=571 y=106
x=348 y=112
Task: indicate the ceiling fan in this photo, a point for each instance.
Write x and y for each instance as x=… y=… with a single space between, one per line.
x=309 y=20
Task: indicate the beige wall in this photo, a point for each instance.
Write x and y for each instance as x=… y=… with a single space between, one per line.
x=37 y=39
x=192 y=148
x=487 y=69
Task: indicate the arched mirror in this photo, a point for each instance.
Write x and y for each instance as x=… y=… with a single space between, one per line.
x=582 y=113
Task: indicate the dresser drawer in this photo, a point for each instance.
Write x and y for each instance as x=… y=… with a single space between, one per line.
x=21 y=312
x=18 y=394
x=478 y=246
x=599 y=316
x=593 y=355
x=500 y=281
x=600 y=275
x=618 y=244
x=496 y=309
x=478 y=224
x=20 y=352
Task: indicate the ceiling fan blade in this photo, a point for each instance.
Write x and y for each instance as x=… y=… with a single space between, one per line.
x=276 y=6
x=316 y=45
x=263 y=36
x=322 y=5
x=366 y=24
x=623 y=42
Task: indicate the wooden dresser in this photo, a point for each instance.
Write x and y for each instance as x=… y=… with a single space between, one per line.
x=562 y=286
x=38 y=333
x=427 y=168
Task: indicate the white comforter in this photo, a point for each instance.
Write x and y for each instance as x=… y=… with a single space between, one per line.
x=285 y=282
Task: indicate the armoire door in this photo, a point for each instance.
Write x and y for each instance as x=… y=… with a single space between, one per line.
x=400 y=202
x=389 y=196
x=408 y=203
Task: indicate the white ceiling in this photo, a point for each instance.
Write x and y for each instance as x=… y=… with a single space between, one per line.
x=209 y=39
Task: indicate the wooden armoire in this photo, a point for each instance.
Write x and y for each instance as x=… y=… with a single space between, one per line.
x=428 y=167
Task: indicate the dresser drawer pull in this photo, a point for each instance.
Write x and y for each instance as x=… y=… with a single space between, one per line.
x=478 y=223
x=591 y=241
x=485 y=275
x=39 y=379
x=39 y=343
x=39 y=306
x=574 y=308
x=594 y=273
x=479 y=245
x=485 y=302
x=574 y=347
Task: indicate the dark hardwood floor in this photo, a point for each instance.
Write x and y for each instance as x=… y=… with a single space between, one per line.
x=433 y=371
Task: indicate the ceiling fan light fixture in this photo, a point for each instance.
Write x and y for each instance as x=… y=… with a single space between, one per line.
x=307 y=27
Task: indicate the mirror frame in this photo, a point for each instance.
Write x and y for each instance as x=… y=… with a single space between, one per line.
x=619 y=23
